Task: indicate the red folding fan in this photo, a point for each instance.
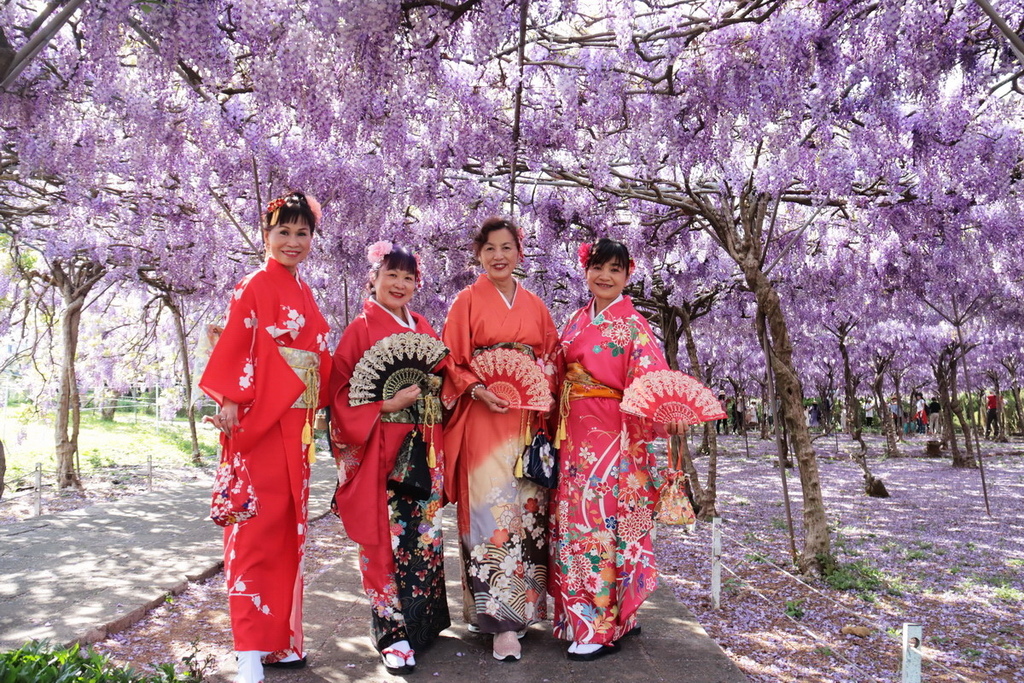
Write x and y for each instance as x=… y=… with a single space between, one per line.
x=671 y=396
x=515 y=377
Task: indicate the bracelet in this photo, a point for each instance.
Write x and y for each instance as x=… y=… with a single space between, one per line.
x=472 y=393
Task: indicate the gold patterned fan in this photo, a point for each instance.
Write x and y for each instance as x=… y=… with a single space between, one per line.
x=515 y=377
x=671 y=396
x=393 y=363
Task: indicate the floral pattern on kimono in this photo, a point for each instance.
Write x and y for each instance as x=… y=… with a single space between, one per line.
x=502 y=518
x=263 y=555
x=602 y=512
x=401 y=546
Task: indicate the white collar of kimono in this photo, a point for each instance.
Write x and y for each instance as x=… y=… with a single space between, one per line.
x=410 y=323
x=593 y=307
x=508 y=302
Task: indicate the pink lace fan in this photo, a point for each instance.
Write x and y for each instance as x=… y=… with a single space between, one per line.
x=671 y=396
x=515 y=377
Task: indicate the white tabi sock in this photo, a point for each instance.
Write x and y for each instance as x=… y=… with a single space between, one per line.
x=250 y=668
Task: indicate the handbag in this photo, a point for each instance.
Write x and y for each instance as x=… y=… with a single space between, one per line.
x=540 y=461
x=233 y=500
x=673 y=505
x=411 y=474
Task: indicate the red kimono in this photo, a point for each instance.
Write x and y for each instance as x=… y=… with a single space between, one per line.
x=502 y=518
x=272 y=313
x=603 y=564
x=400 y=540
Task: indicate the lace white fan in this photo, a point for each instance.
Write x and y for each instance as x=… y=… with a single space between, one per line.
x=515 y=377
x=393 y=363
x=671 y=396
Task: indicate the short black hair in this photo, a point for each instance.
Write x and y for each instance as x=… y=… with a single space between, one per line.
x=399 y=258
x=605 y=250
x=287 y=209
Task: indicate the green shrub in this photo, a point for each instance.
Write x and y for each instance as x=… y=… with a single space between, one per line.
x=39 y=662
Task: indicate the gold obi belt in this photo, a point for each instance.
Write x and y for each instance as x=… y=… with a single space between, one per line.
x=515 y=346
x=579 y=384
x=306 y=365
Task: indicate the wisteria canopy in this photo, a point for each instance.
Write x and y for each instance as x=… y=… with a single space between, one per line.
x=831 y=181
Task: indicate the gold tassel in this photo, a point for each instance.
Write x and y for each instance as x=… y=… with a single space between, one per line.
x=312 y=453
x=307 y=433
x=563 y=413
x=519 y=467
x=431 y=456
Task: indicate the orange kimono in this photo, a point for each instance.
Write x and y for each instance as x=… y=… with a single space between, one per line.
x=401 y=546
x=502 y=518
x=272 y=360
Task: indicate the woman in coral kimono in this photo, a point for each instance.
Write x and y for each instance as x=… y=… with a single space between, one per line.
x=268 y=372
x=502 y=518
x=400 y=542
x=602 y=553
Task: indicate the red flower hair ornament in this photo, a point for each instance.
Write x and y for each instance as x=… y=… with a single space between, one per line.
x=584 y=254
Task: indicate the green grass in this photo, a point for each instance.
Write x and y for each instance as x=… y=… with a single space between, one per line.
x=37 y=662
x=127 y=441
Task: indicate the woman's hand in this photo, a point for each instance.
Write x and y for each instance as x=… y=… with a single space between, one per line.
x=226 y=419
x=495 y=404
x=402 y=399
x=674 y=428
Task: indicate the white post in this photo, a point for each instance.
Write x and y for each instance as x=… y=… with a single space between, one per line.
x=716 y=563
x=149 y=459
x=911 y=669
x=39 y=489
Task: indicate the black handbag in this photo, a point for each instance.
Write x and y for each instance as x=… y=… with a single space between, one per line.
x=540 y=461
x=411 y=474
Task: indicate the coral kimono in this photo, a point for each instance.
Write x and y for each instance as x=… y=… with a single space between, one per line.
x=502 y=518
x=602 y=551
x=401 y=547
x=272 y=360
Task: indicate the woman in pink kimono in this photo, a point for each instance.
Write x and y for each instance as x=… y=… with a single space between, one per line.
x=602 y=512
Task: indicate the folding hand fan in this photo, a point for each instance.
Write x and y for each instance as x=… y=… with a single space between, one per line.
x=515 y=377
x=670 y=396
x=393 y=363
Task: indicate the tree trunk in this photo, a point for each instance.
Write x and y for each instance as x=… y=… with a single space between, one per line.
x=108 y=404
x=74 y=279
x=3 y=469
x=816 y=550
x=68 y=419
x=709 y=492
x=186 y=374
x=872 y=486
x=1019 y=426
x=881 y=364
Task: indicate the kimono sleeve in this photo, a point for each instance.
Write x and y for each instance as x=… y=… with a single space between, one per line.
x=231 y=370
x=350 y=425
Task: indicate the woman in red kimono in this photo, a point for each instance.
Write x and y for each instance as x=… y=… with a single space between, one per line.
x=602 y=552
x=400 y=541
x=502 y=518
x=268 y=372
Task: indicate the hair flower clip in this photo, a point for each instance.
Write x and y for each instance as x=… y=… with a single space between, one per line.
x=377 y=251
x=584 y=254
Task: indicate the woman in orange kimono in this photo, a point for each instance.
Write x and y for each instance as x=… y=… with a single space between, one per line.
x=401 y=547
x=602 y=552
x=502 y=518
x=268 y=372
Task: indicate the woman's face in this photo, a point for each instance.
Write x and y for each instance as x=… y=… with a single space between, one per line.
x=499 y=255
x=607 y=281
x=288 y=243
x=394 y=288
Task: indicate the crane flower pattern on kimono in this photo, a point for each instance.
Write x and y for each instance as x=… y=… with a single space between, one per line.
x=602 y=556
